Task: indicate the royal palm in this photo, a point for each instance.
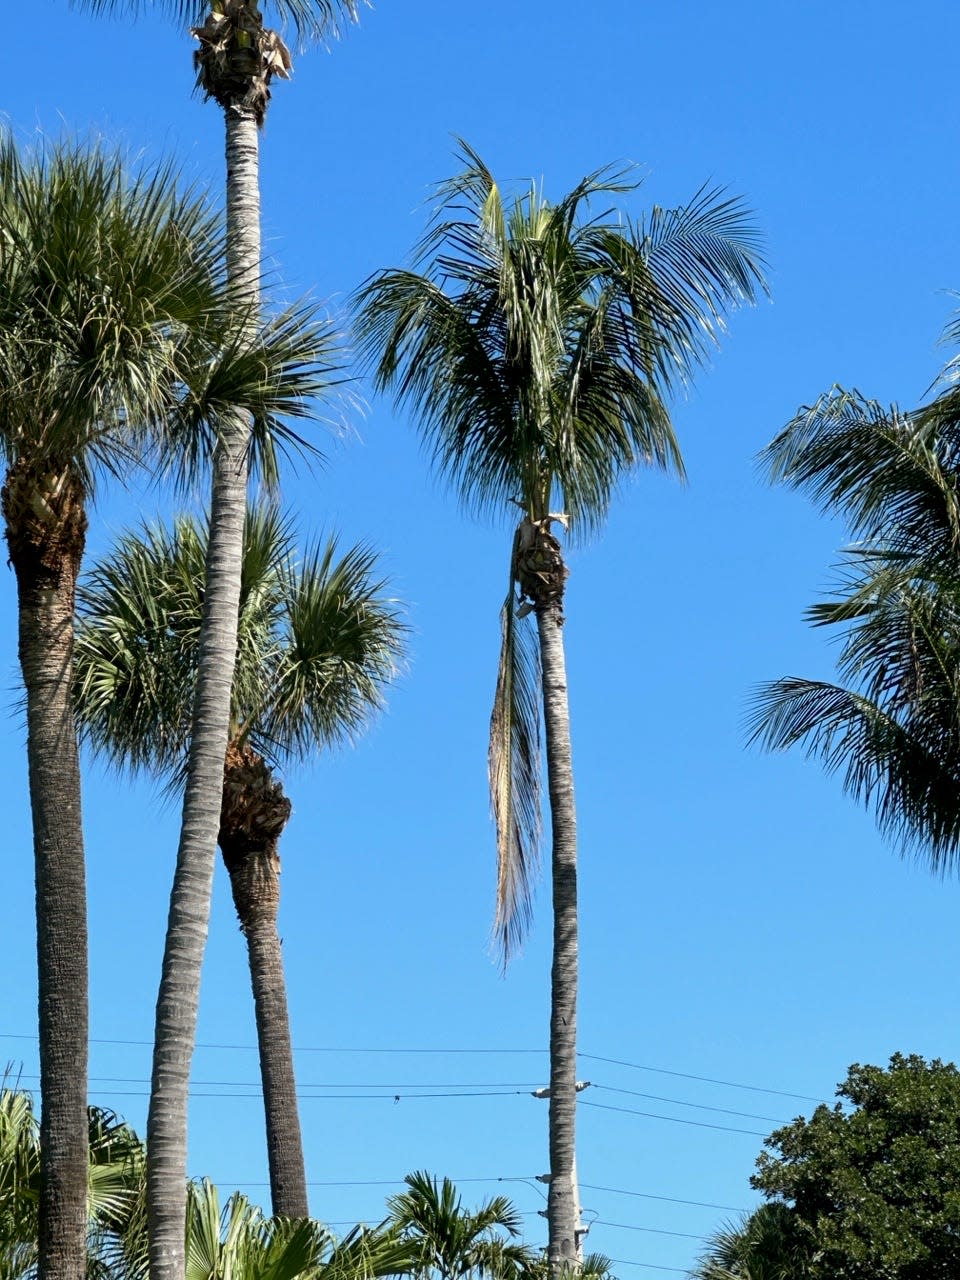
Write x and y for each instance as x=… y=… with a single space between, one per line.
x=535 y=345
x=317 y=642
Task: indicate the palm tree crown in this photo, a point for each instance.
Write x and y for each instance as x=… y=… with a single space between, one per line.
x=318 y=642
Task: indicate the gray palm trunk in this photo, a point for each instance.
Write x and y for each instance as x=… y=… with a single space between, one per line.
x=563 y=1219
x=45 y=541
x=188 y=921
x=254 y=814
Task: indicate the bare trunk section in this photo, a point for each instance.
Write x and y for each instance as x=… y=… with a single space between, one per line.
x=254 y=814
x=188 y=921
x=256 y=894
x=45 y=536
x=563 y=1248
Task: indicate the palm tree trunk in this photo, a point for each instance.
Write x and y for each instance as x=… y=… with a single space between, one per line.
x=188 y=921
x=45 y=538
x=255 y=880
x=562 y=1201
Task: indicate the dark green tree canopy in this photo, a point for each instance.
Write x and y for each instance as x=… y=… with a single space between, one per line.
x=874 y=1181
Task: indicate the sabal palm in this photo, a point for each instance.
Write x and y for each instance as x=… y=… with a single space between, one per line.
x=451 y=1242
x=535 y=348
x=318 y=642
x=236 y=61
x=116 y=333
x=764 y=1245
x=893 y=726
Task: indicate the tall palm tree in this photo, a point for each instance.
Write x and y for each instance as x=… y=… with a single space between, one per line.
x=119 y=335
x=893 y=726
x=536 y=348
x=236 y=60
x=318 y=642
x=451 y=1242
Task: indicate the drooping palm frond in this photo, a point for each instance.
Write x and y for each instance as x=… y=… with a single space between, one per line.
x=892 y=475
x=310 y=19
x=319 y=639
x=514 y=775
x=893 y=729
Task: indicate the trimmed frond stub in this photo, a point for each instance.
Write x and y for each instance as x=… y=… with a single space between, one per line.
x=515 y=775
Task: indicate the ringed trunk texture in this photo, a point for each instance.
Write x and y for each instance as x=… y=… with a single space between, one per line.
x=563 y=1219
x=254 y=814
x=188 y=921
x=45 y=534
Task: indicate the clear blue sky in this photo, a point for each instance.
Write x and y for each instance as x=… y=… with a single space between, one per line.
x=741 y=920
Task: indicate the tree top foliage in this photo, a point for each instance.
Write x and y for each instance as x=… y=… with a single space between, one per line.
x=874 y=1181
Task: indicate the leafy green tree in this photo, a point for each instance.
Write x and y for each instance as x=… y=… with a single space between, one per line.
x=873 y=1183
x=117 y=339
x=318 y=641
x=237 y=58
x=451 y=1242
x=892 y=727
x=536 y=348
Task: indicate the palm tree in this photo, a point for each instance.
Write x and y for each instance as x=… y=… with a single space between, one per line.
x=236 y=60
x=118 y=331
x=764 y=1245
x=114 y=1173
x=893 y=726
x=238 y=1242
x=454 y=1243
x=318 y=642
x=536 y=349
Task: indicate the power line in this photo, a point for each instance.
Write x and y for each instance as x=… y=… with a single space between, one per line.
x=589 y=1057
x=656 y=1231
x=653 y=1115
x=649 y=1266
x=701 y=1106
x=648 y=1195
x=685 y=1075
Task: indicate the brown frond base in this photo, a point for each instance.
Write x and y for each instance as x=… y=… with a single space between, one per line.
x=238 y=57
x=46 y=524
x=253 y=815
x=538 y=567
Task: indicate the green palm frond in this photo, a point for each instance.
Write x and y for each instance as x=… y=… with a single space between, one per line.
x=310 y=19
x=319 y=640
x=451 y=1242
x=514 y=775
x=763 y=1245
x=892 y=475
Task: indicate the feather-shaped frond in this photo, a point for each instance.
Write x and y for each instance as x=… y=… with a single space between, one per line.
x=514 y=774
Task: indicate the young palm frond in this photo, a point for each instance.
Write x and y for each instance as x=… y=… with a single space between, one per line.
x=763 y=1245
x=449 y=1241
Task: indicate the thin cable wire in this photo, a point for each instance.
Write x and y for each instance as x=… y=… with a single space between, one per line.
x=648 y=1195
x=679 y=1102
x=686 y=1075
x=653 y=1115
